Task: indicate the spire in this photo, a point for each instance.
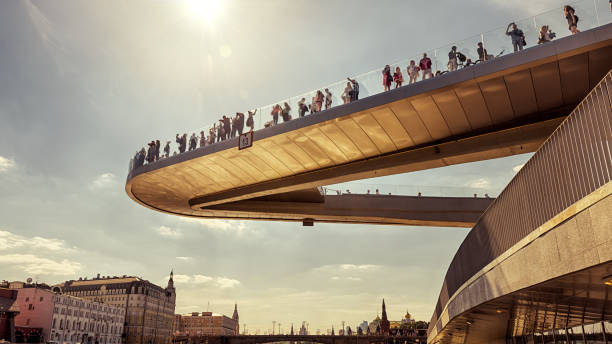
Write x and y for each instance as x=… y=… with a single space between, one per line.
x=384 y=311
x=292 y=329
x=235 y=316
x=171 y=280
x=332 y=330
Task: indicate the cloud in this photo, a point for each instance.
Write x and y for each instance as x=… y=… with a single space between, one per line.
x=6 y=164
x=348 y=278
x=517 y=168
x=217 y=282
x=103 y=181
x=227 y=283
x=169 y=232
x=347 y=268
x=35 y=265
x=218 y=225
x=480 y=183
x=10 y=240
x=184 y=258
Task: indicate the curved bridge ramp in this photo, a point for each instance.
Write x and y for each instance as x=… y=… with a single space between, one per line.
x=505 y=106
x=538 y=263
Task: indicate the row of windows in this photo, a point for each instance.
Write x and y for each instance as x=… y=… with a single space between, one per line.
x=88 y=315
x=83 y=326
x=79 y=338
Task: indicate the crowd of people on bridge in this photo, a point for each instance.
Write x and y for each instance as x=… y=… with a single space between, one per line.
x=457 y=59
x=229 y=127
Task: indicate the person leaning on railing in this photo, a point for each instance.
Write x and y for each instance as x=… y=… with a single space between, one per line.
x=545 y=35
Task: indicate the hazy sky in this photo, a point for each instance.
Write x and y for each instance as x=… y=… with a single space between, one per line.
x=83 y=84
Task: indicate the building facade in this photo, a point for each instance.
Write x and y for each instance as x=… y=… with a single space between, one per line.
x=148 y=308
x=206 y=324
x=8 y=312
x=67 y=319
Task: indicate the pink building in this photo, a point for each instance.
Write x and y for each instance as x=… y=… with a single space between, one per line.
x=68 y=319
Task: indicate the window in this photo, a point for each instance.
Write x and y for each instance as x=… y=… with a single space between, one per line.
x=30 y=307
x=61 y=324
x=28 y=322
x=27 y=299
x=41 y=299
x=54 y=322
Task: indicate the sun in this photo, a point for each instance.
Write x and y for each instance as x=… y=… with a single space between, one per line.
x=206 y=10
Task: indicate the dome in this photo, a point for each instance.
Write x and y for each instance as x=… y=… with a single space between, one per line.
x=408 y=316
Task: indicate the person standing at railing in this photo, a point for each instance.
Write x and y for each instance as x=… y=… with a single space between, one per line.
x=387 y=78
x=151 y=152
x=167 y=149
x=240 y=122
x=313 y=105
x=398 y=78
x=181 y=141
x=250 y=122
x=274 y=113
x=572 y=18
x=139 y=159
x=227 y=127
x=482 y=53
x=234 y=126
x=212 y=133
x=452 y=59
x=286 y=112
x=221 y=131
x=319 y=97
x=202 y=139
x=328 y=99
x=425 y=66
x=302 y=107
x=193 y=142
x=354 y=94
x=517 y=36
x=413 y=72
x=157 y=147
x=346 y=95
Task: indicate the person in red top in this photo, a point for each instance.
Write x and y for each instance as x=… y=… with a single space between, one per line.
x=387 y=78
x=398 y=78
x=425 y=66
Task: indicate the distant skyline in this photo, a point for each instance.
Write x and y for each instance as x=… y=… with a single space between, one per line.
x=83 y=84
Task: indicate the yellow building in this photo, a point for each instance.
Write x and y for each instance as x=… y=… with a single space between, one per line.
x=205 y=324
x=149 y=308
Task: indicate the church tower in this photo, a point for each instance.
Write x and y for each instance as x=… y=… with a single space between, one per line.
x=236 y=318
x=170 y=290
x=384 y=322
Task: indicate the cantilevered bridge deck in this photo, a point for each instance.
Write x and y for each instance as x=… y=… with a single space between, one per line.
x=502 y=107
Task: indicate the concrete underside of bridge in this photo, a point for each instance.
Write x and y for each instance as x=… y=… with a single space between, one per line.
x=552 y=279
x=506 y=106
x=353 y=208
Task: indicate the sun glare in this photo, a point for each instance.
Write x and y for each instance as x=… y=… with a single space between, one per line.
x=206 y=10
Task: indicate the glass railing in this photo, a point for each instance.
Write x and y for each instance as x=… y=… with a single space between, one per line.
x=406 y=190
x=591 y=13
